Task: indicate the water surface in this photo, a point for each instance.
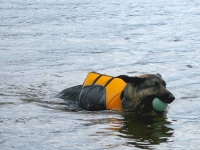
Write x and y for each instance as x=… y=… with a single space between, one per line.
x=50 y=45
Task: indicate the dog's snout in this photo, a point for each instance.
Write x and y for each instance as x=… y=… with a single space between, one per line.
x=171 y=98
x=168 y=98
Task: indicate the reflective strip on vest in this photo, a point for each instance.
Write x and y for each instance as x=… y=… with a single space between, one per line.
x=113 y=89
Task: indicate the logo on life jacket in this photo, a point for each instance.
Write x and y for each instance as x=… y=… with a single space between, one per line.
x=100 y=92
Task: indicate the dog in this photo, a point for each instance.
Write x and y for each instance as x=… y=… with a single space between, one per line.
x=121 y=93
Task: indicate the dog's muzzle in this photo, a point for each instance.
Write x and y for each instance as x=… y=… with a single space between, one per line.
x=168 y=98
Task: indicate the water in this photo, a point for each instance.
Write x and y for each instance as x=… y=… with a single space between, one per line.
x=49 y=45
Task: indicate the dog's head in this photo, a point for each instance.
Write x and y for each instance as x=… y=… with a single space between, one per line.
x=141 y=91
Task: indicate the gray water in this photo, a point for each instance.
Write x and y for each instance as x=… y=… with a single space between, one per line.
x=49 y=45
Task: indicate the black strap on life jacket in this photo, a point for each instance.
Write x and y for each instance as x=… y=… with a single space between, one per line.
x=88 y=90
x=109 y=81
x=100 y=75
x=96 y=79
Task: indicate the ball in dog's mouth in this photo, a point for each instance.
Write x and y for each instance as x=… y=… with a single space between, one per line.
x=159 y=105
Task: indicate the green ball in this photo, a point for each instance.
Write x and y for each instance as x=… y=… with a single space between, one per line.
x=159 y=105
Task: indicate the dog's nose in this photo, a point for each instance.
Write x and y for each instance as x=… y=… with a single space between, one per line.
x=171 y=98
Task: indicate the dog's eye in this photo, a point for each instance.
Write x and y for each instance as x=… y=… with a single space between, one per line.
x=156 y=84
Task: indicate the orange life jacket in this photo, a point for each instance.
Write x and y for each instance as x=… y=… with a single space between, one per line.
x=102 y=91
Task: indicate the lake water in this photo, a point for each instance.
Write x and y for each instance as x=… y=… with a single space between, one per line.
x=47 y=46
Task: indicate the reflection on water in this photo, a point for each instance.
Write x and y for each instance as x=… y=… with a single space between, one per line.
x=145 y=131
x=142 y=132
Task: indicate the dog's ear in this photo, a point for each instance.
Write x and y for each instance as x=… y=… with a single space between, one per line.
x=135 y=81
x=125 y=78
x=159 y=75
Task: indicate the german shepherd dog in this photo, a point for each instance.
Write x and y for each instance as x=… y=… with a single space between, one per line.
x=135 y=96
